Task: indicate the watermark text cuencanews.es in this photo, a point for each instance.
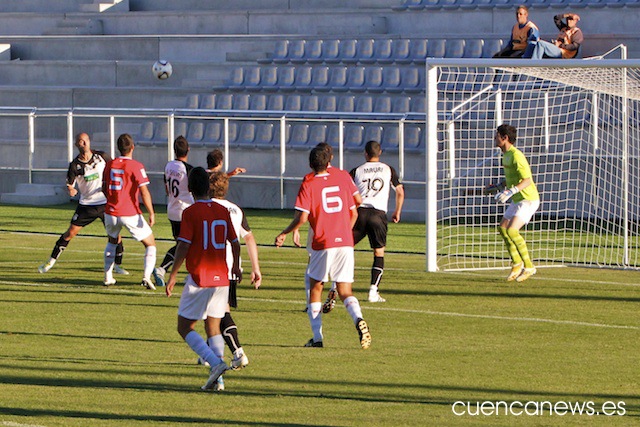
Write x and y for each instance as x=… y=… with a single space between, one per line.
x=533 y=408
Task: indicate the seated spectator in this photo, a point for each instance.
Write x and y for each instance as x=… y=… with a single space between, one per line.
x=523 y=32
x=566 y=44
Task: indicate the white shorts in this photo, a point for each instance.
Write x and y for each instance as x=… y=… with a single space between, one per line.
x=334 y=263
x=136 y=225
x=524 y=210
x=198 y=303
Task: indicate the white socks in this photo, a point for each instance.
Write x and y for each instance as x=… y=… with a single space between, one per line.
x=109 y=260
x=353 y=308
x=200 y=347
x=315 y=318
x=149 y=262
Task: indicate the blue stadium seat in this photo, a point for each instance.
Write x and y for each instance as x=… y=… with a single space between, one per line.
x=449 y=4
x=264 y=134
x=400 y=51
x=251 y=78
x=391 y=79
x=317 y=134
x=413 y=137
x=418 y=104
x=208 y=101
x=382 y=104
x=233 y=132
x=313 y=51
x=348 y=49
x=364 y=104
x=196 y=132
x=491 y=47
x=473 y=48
x=310 y=103
x=224 y=101
x=276 y=102
x=328 y=103
x=338 y=79
x=390 y=138
x=467 y=4
x=374 y=79
x=320 y=78
x=346 y=104
x=192 y=102
x=436 y=48
x=414 y=4
x=281 y=53
x=355 y=79
x=419 y=51
x=146 y=133
x=298 y=135
x=365 y=53
x=296 y=51
x=454 y=48
x=401 y=104
x=333 y=134
x=236 y=79
x=383 y=51
x=331 y=51
x=286 y=78
x=246 y=134
x=213 y=132
x=161 y=133
x=269 y=78
x=179 y=128
x=431 y=4
x=302 y=78
x=353 y=135
x=258 y=102
x=293 y=103
x=241 y=101
x=372 y=132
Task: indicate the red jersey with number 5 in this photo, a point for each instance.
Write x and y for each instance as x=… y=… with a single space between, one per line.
x=124 y=177
x=206 y=226
x=328 y=198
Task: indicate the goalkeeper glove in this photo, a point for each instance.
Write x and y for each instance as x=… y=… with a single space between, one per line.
x=505 y=195
x=494 y=188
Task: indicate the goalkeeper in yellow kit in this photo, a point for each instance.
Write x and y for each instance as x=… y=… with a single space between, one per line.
x=518 y=187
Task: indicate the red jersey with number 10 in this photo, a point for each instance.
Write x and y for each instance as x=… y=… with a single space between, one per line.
x=328 y=199
x=206 y=226
x=124 y=177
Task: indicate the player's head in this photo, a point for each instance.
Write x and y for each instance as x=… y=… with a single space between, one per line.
x=372 y=149
x=125 y=144
x=218 y=185
x=181 y=147
x=199 y=183
x=509 y=131
x=83 y=142
x=319 y=159
x=522 y=14
x=214 y=160
x=327 y=147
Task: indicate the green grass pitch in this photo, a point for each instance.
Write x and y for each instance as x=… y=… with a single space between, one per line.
x=73 y=353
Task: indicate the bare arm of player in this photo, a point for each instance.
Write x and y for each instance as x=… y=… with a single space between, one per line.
x=358 y=199
x=235 y=250
x=252 y=249
x=148 y=204
x=399 y=202
x=299 y=218
x=296 y=237
x=72 y=190
x=354 y=215
x=181 y=253
x=236 y=171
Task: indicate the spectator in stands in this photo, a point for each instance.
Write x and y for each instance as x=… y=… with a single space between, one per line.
x=215 y=160
x=522 y=33
x=565 y=46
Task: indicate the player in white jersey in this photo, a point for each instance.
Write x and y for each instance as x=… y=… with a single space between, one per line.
x=374 y=180
x=85 y=172
x=176 y=184
x=218 y=188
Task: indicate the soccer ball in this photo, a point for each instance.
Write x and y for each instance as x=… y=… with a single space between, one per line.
x=162 y=69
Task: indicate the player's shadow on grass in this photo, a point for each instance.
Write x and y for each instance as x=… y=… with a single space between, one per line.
x=518 y=294
x=85 y=337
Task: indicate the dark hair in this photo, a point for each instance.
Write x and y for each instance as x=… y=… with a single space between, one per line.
x=326 y=146
x=521 y=6
x=319 y=158
x=199 y=182
x=214 y=158
x=508 y=131
x=181 y=146
x=125 y=144
x=218 y=185
x=372 y=148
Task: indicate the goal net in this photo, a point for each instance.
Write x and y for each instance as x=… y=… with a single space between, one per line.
x=578 y=125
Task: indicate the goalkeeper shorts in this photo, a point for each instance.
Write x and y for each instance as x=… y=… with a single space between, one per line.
x=523 y=209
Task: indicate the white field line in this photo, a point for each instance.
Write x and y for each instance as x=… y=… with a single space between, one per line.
x=12 y=424
x=377 y=308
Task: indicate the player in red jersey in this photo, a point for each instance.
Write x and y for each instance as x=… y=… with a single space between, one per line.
x=328 y=202
x=124 y=180
x=204 y=232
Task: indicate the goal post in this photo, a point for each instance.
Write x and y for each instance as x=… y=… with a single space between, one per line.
x=578 y=124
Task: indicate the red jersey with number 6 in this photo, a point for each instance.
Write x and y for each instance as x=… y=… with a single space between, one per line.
x=124 y=177
x=328 y=198
x=206 y=226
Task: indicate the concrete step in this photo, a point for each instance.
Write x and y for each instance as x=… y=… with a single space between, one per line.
x=36 y=195
x=77 y=26
x=106 y=6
